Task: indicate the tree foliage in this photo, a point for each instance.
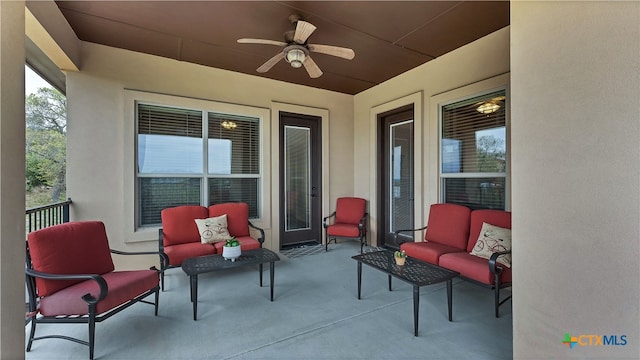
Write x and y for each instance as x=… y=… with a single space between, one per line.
x=491 y=152
x=46 y=127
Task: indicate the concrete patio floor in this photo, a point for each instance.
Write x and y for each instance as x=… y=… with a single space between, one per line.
x=315 y=315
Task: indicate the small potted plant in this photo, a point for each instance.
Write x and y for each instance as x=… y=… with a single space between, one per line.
x=400 y=257
x=231 y=250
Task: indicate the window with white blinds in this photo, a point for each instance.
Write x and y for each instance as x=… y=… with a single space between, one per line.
x=176 y=166
x=473 y=151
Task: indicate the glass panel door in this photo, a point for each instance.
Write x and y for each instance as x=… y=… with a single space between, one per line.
x=300 y=174
x=396 y=175
x=297 y=177
x=401 y=176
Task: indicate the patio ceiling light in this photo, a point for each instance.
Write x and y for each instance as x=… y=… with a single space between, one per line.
x=488 y=107
x=229 y=125
x=296 y=57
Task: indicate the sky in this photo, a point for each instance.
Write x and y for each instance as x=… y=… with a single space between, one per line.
x=32 y=81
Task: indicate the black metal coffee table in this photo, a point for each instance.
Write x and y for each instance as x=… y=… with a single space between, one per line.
x=415 y=272
x=209 y=263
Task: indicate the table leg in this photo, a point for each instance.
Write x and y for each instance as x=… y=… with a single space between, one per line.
x=389 y=282
x=449 y=297
x=260 y=269
x=193 y=280
x=359 y=278
x=416 y=307
x=271 y=271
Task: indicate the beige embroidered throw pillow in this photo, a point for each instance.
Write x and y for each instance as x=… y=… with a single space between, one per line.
x=493 y=239
x=213 y=229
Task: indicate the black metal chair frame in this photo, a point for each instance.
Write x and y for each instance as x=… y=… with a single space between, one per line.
x=92 y=317
x=494 y=267
x=164 y=258
x=362 y=228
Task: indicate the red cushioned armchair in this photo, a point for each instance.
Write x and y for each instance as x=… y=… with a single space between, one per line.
x=71 y=278
x=350 y=221
x=179 y=237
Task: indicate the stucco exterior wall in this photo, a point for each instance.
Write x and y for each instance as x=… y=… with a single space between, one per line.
x=575 y=82
x=98 y=123
x=474 y=68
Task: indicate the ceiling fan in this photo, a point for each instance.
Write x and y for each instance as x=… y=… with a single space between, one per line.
x=295 y=49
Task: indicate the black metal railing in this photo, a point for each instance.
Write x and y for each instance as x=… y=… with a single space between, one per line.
x=43 y=216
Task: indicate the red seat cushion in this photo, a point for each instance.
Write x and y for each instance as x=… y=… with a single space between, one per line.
x=472 y=267
x=179 y=225
x=246 y=243
x=427 y=251
x=343 y=230
x=349 y=210
x=237 y=217
x=123 y=286
x=177 y=253
x=448 y=225
x=498 y=218
x=79 y=247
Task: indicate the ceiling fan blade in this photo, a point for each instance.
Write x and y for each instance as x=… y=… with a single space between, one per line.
x=312 y=68
x=269 y=64
x=303 y=31
x=261 y=41
x=344 y=53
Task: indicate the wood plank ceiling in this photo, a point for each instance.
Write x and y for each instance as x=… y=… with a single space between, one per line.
x=388 y=37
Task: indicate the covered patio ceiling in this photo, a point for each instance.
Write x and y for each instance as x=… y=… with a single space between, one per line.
x=388 y=37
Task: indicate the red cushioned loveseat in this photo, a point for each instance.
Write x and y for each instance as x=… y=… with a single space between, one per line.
x=451 y=234
x=179 y=237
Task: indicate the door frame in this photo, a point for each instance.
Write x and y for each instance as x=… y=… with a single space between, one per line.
x=323 y=114
x=420 y=170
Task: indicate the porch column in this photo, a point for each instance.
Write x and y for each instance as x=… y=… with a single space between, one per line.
x=12 y=180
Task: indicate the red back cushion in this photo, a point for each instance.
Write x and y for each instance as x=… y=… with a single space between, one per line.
x=498 y=218
x=448 y=225
x=237 y=217
x=349 y=210
x=179 y=225
x=78 y=247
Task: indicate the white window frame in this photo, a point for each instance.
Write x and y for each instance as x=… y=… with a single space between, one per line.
x=435 y=183
x=134 y=233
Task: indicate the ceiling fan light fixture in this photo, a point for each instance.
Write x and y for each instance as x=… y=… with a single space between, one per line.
x=295 y=57
x=488 y=107
x=228 y=125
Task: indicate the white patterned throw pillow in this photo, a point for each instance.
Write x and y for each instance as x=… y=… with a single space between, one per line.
x=213 y=229
x=493 y=239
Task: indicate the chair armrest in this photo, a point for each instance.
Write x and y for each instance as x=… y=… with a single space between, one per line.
x=324 y=219
x=162 y=255
x=493 y=266
x=102 y=284
x=395 y=234
x=262 y=237
x=160 y=240
x=363 y=222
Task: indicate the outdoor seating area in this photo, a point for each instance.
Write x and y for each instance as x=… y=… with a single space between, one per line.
x=475 y=243
x=181 y=237
x=315 y=315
